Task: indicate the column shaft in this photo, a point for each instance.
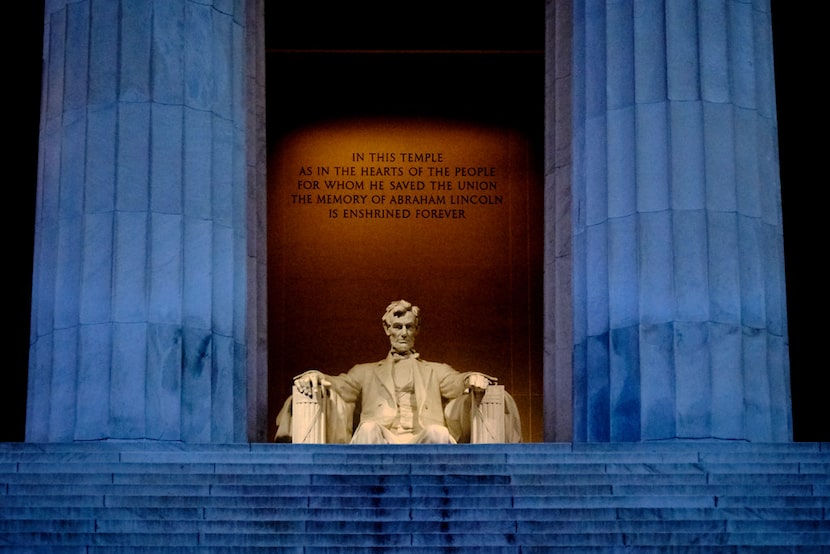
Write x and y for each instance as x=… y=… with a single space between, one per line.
x=679 y=294
x=140 y=294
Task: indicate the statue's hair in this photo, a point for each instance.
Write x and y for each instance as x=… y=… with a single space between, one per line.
x=399 y=308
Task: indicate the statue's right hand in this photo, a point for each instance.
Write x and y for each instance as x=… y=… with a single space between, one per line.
x=310 y=382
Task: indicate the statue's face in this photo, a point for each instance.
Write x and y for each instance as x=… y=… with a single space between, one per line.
x=402 y=332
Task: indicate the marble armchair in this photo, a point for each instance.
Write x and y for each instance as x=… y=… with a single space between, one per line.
x=490 y=416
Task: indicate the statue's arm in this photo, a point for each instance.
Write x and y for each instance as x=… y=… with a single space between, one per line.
x=455 y=383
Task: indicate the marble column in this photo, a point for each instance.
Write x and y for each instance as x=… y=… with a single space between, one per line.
x=680 y=327
x=145 y=237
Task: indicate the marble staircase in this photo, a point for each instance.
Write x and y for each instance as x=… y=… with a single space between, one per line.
x=632 y=498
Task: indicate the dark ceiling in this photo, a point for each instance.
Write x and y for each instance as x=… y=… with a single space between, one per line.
x=481 y=61
x=423 y=25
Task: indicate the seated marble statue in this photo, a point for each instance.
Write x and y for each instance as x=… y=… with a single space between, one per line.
x=402 y=399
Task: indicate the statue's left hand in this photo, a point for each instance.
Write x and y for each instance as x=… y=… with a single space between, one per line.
x=478 y=381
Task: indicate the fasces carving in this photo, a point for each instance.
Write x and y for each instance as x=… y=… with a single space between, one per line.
x=401 y=399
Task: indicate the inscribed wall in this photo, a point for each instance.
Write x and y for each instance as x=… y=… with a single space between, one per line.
x=446 y=215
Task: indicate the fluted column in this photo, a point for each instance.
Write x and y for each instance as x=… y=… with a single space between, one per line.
x=139 y=321
x=679 y=297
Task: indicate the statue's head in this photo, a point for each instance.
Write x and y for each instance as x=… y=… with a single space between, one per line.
x=402 y=321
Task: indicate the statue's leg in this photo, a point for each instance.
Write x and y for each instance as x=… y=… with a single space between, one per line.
x=434 y=434
x=368 y=432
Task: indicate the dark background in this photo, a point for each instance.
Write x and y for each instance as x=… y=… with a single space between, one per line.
x=799 y=50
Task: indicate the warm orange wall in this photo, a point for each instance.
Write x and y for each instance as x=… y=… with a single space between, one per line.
x=476 y=276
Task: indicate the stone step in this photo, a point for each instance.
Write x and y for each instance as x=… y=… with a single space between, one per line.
x=134 y=497
x=425 y=494
x=638 y=549
x=377 y=515
x=155 y=476
x=353 y=462
x=286 y=525
x=684 y=451
x=442 y=539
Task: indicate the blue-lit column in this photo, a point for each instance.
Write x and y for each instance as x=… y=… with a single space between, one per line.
x=679 y=295
x=142 y=255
